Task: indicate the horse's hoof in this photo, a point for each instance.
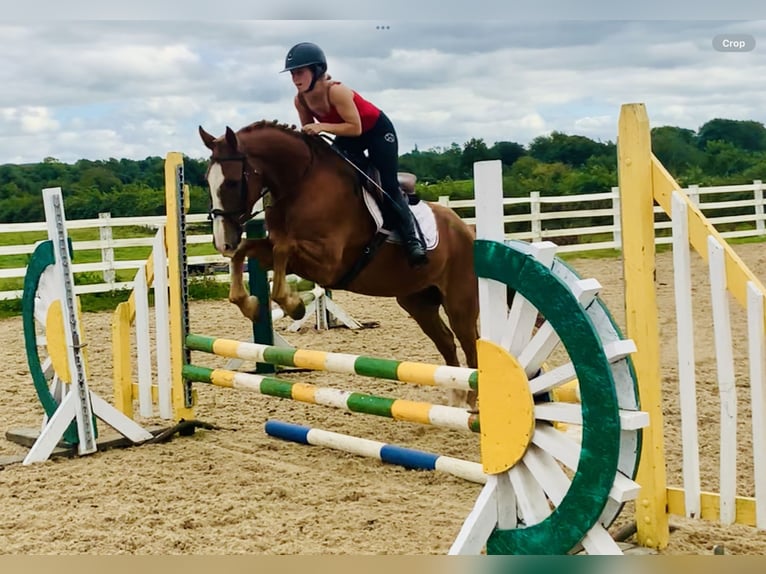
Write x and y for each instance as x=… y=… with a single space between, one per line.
x=298 y=312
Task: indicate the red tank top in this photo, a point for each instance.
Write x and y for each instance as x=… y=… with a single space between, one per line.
x=368 y=112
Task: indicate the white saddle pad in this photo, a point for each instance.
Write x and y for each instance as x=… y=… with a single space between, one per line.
x=423 y=214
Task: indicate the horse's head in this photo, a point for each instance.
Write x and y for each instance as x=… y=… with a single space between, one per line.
x=235 y=187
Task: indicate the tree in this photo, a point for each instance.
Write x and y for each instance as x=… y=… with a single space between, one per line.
x=473 y=150
x=676 y=148
x=746 y=135
x=725 y=159
x=573 y=151
x=507 y=152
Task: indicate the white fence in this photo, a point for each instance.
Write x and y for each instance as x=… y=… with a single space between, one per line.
x=109 y=264
x=547 y=219
x=566 y=220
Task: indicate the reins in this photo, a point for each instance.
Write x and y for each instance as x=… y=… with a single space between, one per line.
x=329 y=141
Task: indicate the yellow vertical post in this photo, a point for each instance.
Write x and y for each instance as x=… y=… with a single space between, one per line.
x=177 y=310
x=637 y=216
x=121 y=364
x=122 y=369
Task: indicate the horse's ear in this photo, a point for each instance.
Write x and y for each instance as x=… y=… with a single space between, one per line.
x=207 y=138
x=231 y=139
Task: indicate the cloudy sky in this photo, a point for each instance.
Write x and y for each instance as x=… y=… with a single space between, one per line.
x=138 y=88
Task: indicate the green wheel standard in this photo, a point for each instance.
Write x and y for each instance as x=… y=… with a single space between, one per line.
x=577 y=472
x=39 y=293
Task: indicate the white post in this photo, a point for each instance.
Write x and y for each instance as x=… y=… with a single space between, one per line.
x=758 y=197
x=488 y=193
x=107 y=248
x=687 y=382
x=616 y=219
x=79 y=403
x=727 y=390
x=693 y=192
x=496 y=503
x=536 y=223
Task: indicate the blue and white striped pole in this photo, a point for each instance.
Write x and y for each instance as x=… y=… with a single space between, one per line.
x=389 y=453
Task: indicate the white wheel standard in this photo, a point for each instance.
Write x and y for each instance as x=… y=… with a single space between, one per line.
x=577 y=469
x=41 y=305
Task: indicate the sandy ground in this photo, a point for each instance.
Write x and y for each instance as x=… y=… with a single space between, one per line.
x=236 y=490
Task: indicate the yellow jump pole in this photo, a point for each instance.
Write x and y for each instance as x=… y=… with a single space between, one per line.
x=637 y=215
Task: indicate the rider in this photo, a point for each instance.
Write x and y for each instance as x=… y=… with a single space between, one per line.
x=357 y=125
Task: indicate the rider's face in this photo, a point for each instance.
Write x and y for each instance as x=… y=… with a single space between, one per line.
x=301 y=78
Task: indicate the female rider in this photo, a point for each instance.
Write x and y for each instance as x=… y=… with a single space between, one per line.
x=325 y=105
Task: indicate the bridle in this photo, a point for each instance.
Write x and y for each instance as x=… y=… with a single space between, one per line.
x=239 y=217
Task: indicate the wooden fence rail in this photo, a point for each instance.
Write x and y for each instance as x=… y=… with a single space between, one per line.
x=576 y=222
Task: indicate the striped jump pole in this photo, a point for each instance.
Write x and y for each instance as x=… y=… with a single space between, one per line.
x=389 y=369
x=398 y=409
x=388 y=453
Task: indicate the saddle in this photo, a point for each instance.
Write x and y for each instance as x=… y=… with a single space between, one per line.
x=406 y=183
x=369 y=180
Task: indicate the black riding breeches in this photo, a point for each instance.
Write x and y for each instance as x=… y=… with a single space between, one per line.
x=382 y=145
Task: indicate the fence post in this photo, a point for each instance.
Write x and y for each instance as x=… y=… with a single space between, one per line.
x=694 y=193
x=616 y=222
x=758 y=196
x=107 y=247
x=534 y=216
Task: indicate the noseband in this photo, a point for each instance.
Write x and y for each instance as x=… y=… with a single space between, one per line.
x=239 y=217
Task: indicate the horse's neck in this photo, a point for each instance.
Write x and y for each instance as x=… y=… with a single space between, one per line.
x=326 y=200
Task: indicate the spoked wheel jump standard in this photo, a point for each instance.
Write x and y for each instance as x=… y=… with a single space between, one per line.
x=578 y=450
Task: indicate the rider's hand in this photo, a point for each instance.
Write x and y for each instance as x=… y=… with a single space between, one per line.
x=313 y=128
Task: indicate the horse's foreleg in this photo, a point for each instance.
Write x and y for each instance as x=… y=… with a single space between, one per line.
x=260 y=249
x=286 y=298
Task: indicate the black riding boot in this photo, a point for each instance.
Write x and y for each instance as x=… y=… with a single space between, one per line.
x=404 y=222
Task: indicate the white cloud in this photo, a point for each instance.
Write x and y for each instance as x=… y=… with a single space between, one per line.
x=79 y=89
x=27 y=120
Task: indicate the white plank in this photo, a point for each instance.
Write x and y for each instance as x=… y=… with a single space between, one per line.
x=523 y=315
x=54 y=430
x=507 y=507
x=598 y=542
x=687 y=385
x=533 y=506
x=488 y=191
x=757 y=355
x=572 y=413
x=547 y=473
x=479 y=524
x=546 y=339
x=567 y=452
x=551 y=379
x=615 y=351
x=143 y=344
x=556 y=485
x=726 y=383
x=162 y=326
x=120 y=422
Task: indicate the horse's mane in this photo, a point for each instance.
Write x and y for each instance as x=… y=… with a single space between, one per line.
x=315 y=142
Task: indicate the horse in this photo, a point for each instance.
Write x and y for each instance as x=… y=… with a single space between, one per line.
x=319 y=227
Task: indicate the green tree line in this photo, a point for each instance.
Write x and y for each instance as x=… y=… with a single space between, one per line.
x=721 y=151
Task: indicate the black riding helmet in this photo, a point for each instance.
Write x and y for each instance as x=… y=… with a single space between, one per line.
x=307 y=54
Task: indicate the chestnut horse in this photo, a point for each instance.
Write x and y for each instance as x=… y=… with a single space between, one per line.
x=318 y=227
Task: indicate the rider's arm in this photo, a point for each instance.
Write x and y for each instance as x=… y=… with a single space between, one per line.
x=342 y=99
x=304 y=113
